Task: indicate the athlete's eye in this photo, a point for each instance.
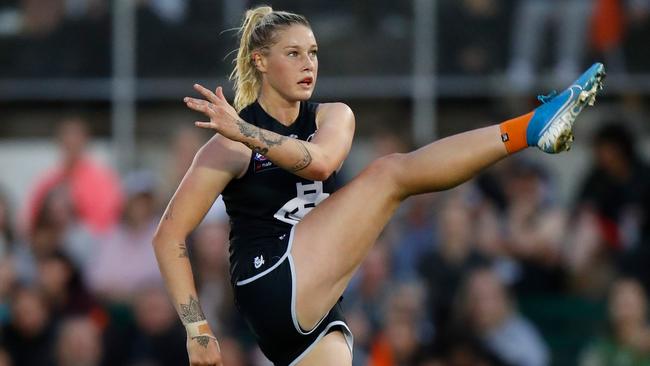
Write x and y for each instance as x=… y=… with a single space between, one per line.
x=313 y=53
x=293 y=54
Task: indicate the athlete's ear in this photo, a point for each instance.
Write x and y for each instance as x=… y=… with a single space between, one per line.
x=259 y=61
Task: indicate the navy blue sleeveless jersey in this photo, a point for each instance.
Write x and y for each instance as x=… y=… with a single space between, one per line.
x=268 y=200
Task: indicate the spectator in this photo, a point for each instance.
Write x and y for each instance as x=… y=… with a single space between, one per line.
x=29 y=336
x=62 y=287
x=210 y=255
x=370 y=287
x=443 y=268
x=6 y=226
x=78 y=343
x=487 y=311
x=81 y=177
x=7 y=283
x=186 y=142
x=535 y=229
x=125 y=261
x=156 y=337
x=612 y=199
x=399 y=341
x=628 y=339
x=532 y=18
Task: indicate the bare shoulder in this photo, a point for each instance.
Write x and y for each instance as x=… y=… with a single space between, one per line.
x=336 y=108
x=339 y=112
x=222 y=153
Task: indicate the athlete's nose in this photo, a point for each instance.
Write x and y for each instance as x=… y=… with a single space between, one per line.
x=309 y=64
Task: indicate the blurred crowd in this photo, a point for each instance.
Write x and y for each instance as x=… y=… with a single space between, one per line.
x=494 y=272
x=508 y=37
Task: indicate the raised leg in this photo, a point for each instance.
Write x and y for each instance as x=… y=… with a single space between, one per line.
x=332 y=240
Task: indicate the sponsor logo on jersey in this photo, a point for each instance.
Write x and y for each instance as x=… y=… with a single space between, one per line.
x=261 y=163
x=258 y=261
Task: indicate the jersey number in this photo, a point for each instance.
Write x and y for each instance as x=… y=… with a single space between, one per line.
x=309 y=195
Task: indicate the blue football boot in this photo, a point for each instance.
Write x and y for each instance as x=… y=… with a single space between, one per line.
x=551 y=127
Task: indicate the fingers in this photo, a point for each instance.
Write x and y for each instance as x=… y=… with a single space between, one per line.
x=209 y=95
x=200 y=105
x=203 y=124
x=219 y=93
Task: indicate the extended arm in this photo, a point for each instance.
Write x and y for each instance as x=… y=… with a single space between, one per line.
x=315 y=160
x=218 y=162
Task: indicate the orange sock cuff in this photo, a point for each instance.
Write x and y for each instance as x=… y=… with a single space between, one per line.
x=513 y=133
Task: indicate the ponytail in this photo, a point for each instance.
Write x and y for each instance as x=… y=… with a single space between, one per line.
x=256 y=33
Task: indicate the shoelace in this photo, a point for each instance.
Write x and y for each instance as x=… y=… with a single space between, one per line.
x=547 y=98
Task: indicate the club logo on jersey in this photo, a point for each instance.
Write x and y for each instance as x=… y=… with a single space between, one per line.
x=261 y=163
x=309 y=195
x=258 y=261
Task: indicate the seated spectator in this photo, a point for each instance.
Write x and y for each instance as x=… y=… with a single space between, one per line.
x=628 y=338
x=443 y=268
x=62 y=287
x=400 y=339
x=486 y=311
x=124 y=260
x=535 y=229
x=611 y=204
x=78 y=343
x=7 y=283
x=209 y=255
x=81 y=177
x=29 y=336
x=155 y=337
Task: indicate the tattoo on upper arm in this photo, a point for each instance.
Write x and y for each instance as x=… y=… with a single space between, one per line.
x=183 y=251
x=304 y=161
x=191 y=312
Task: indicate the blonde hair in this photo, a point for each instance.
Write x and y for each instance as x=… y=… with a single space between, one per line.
x=257 y=32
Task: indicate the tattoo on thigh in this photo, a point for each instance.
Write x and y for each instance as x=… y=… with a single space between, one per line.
x=191 y=312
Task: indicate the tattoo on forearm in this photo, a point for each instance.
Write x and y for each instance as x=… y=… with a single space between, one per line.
x=191 y=312
x=268 y=139
x=271 y=139
x=203 y=340
x=304 y=161
x=247 y=129
x=183 y=251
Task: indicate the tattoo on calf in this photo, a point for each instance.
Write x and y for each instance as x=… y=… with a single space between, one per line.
x=191 y=312
x=304 y=161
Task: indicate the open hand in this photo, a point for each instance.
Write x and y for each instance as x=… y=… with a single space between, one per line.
x=223 y=117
